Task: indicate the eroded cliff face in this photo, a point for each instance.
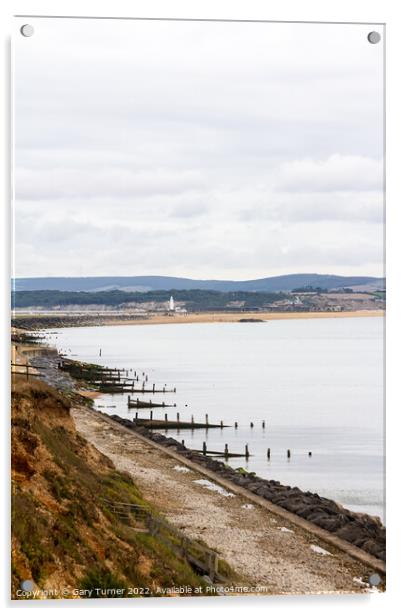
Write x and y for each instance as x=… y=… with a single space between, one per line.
x=65 y=535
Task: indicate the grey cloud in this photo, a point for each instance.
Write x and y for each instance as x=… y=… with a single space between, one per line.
x=208 y=150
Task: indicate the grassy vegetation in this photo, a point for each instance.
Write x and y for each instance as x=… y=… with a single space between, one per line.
x=195 y=299
x=62 y=528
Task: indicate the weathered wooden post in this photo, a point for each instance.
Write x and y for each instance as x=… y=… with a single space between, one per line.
x=166 y=417
x=269 y=453
x=206 y=419
x=178 y=417
x=263 y=424
x=153 y=388
x=128 y=400
x=164 y=391
x=221 y=423
x=213 y=565
x=226 y=451
x=182 y=442
x=288 y=453
x=136 y=414
x=204 y=448
x=310 y=454
x=247 y=453
x=251 y=424
x=151 y=414
x=236 y=425
x=174 y=390
x=192 y=419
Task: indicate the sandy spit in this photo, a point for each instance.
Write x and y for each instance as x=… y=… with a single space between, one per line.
x=233 y=317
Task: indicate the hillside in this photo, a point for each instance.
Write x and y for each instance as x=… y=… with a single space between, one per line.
x=194 y=300
x=65 y=534
x=158 y=283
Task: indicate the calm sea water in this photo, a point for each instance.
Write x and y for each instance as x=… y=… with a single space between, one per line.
x=317 y=383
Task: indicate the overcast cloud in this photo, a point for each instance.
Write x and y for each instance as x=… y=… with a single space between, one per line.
x=207 y=150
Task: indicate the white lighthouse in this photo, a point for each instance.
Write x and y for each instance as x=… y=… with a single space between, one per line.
x=171 y=304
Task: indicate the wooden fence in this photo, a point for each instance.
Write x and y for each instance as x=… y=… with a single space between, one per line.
x=199 y=556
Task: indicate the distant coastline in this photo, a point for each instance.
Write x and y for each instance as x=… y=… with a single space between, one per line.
x=59 y=320
x=235 y=317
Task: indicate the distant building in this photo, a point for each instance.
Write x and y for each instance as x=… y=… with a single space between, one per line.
x=171 y=303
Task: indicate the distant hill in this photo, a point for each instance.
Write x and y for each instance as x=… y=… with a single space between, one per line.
x=163 y=283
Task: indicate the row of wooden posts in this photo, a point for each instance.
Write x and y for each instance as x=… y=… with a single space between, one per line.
x=227 y=454
x=207 y=423
x=197 y=554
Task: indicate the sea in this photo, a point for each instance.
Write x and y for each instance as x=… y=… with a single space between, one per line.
x=304 y=385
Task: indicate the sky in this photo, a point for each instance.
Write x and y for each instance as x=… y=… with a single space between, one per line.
x=200 y=149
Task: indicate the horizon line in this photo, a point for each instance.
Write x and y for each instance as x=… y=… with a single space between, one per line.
x=199 y=279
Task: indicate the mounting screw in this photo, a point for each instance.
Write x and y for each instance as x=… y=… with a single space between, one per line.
x=374 y=37
x=27 y=30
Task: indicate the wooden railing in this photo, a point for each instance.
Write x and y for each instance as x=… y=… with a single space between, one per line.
x=198 y=555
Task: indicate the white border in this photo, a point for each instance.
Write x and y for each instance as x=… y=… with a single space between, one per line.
x=378 y=11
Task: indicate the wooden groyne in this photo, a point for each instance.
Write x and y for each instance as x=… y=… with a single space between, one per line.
x=114 y=380
x=169 y=424
x=222 y=454
x=153 y=390
x=142 y=404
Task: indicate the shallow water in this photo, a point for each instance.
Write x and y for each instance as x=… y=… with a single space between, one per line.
x=317 y=384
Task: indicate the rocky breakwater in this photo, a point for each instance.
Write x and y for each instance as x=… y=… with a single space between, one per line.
x=362 y=530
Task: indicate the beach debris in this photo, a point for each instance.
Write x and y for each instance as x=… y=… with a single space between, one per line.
x=214 y=487
x=181 y=469
x=318 y=550
x=247 y=506
x=284 y=529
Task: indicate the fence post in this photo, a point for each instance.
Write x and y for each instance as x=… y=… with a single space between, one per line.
x=212 y=565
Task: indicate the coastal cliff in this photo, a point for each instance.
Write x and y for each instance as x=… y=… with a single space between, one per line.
x=66 y=540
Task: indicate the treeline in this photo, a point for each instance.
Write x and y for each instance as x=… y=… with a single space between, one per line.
x=195 y=299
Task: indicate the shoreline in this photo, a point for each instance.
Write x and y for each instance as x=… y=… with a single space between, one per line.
x=334 y=526
x=46 y=321
x=235 y=317
x=266 y=542
x=331 y=521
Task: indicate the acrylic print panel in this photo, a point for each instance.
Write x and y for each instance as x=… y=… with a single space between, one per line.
x=198 y=303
